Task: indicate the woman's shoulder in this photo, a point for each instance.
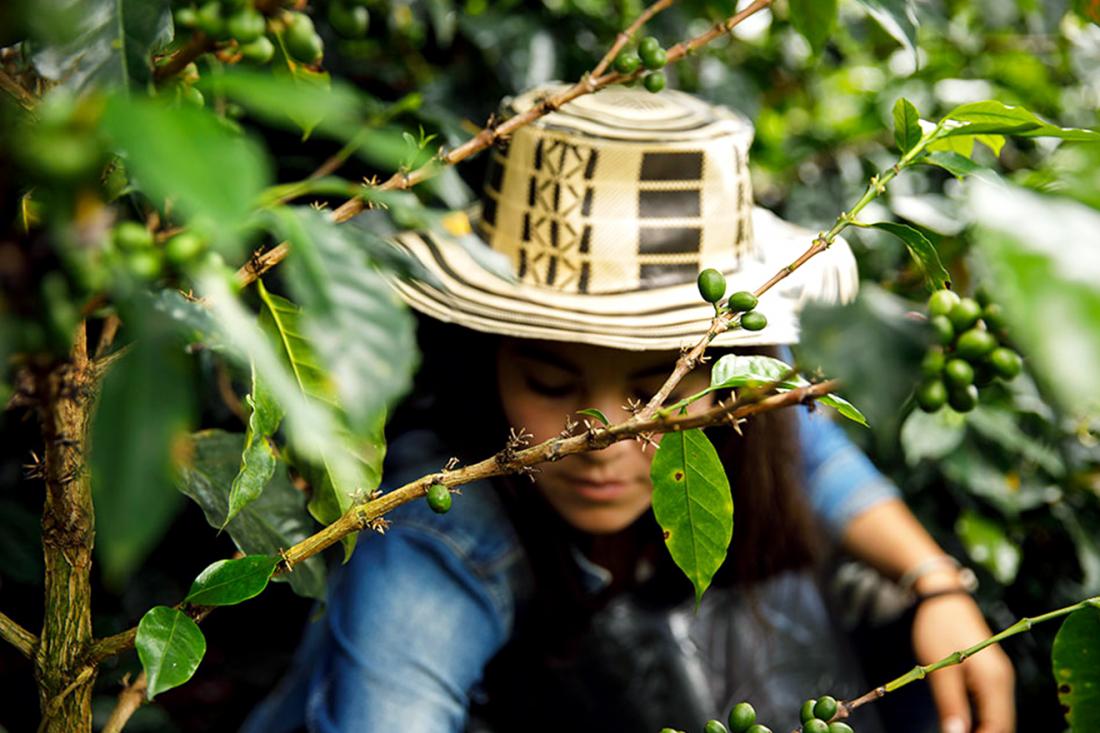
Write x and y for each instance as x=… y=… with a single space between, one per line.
x=477 y=527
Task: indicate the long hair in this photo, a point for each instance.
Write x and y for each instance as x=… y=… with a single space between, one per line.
x=772 y=525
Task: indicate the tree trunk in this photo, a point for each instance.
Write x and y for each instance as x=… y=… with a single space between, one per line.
x=65 y=395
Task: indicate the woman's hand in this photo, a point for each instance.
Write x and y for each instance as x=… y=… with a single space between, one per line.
x=945 y=625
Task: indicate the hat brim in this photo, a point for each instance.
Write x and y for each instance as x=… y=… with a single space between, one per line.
x=469 y=294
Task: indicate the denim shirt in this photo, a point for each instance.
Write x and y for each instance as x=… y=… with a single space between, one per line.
x=415 y=616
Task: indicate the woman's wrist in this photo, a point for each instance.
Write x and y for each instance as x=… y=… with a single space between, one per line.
x=938 y=575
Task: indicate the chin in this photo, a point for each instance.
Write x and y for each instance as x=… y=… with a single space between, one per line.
x=601 y=520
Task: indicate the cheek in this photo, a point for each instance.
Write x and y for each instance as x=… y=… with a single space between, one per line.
x=522 y=409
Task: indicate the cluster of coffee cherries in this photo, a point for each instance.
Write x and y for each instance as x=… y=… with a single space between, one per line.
x=132 y=245
x=814 y=716
x=712 y=286
x=649 y=55
x=969 y=353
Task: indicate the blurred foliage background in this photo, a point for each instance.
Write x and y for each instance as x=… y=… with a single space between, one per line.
x=1013 y=487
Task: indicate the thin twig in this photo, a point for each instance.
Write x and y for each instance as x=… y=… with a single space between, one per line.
x=23 y=640
x=402 y=180
x=199 y=44
x=107 y=334
x=518 y=461
x=15 y=89
x=130 y=699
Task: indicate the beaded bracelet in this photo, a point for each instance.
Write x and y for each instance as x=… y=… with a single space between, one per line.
x=967 y=577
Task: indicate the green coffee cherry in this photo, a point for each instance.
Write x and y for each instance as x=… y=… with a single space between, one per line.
x=815 y=725
x=712 y=285
x=965 y=314
x=439 y=498
x=183 y=248
x=941 y=302
x=649 y=44
x=302 y=41
x=192 y=96
x=994 y=316
x=259 y=51
x=246 y=25
x=713 y=726
x=741 y=717
x=758 y=728
x=1006 y=363
x=839 y=727
x=349 y=21
x=132 y=236
x=963 y=399
x=753 y=321
x=807 y=712
x=654 y=82
x=741 y=301
x=654 y=60
x=931 y=395
x=186 y=17
x=974 y=344
x=144 y=264
x=209 y=19
x=958 y=373
x=933 y=363
x=941 y=326
x=825 y=707
x=627 y=62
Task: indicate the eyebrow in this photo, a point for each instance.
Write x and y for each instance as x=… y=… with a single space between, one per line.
x=535 y=353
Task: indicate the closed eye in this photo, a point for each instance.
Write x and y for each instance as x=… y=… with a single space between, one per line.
x=546 y=389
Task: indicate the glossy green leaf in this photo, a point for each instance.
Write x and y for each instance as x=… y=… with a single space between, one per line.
x=273 y=522
x=145 y=409
x=734 y=371
x=957 y=165
x=335 y=109
x=348 y=466
x=1075 y=659
x=982 y=118
x=897 y=17
x=988 y=545
x=970 y=469
x=227 y=582
x=103 y=43
x=907 y=132
x=693 y=504
x=594 y=413
x=814 y=19
x=170 y=646
x=1045 y=267
x=923 y=252
x=360 y=330
x=931 y=435
x=1001 y=426
x=184 y=154
x=191 y=320
x=258 y=457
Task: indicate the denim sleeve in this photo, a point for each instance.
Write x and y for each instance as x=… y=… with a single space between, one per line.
x=841 y=482
x=410 y=627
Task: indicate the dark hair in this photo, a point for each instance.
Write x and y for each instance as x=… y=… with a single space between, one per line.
x=772 y=521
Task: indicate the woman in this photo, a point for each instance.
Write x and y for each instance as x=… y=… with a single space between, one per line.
x=555 y=605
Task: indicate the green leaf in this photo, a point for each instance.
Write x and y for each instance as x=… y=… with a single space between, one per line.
x=349 y=465
x=969 y=468
x=734 y=371
x=693 y=504
x=957 y=165
x=361 y=331
x=923 y=252
x=258 y=459
x=898 y=18
x=227 y=582
x=931 y=435
x=814 y=19
x=101 y=44
x=988 y=545
x=982 y=118
x=273 y=522
x=185 y=155
x=1045 y=271
x=594 y=413
x=907 y=132
x=1001 y=427
x=144 y=410
x=335 y=109
x=170 y=646
x=962 y=145
x=1075 y=658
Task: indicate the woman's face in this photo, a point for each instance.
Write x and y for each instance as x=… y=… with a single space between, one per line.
x=544 y=382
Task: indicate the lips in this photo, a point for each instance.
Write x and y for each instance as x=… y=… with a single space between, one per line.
x=597 y=489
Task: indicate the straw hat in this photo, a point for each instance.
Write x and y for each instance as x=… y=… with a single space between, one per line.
x=604 y=212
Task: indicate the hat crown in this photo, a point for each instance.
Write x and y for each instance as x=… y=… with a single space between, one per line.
x=620 y=190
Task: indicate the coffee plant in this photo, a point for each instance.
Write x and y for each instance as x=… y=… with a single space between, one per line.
x=195 y=316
